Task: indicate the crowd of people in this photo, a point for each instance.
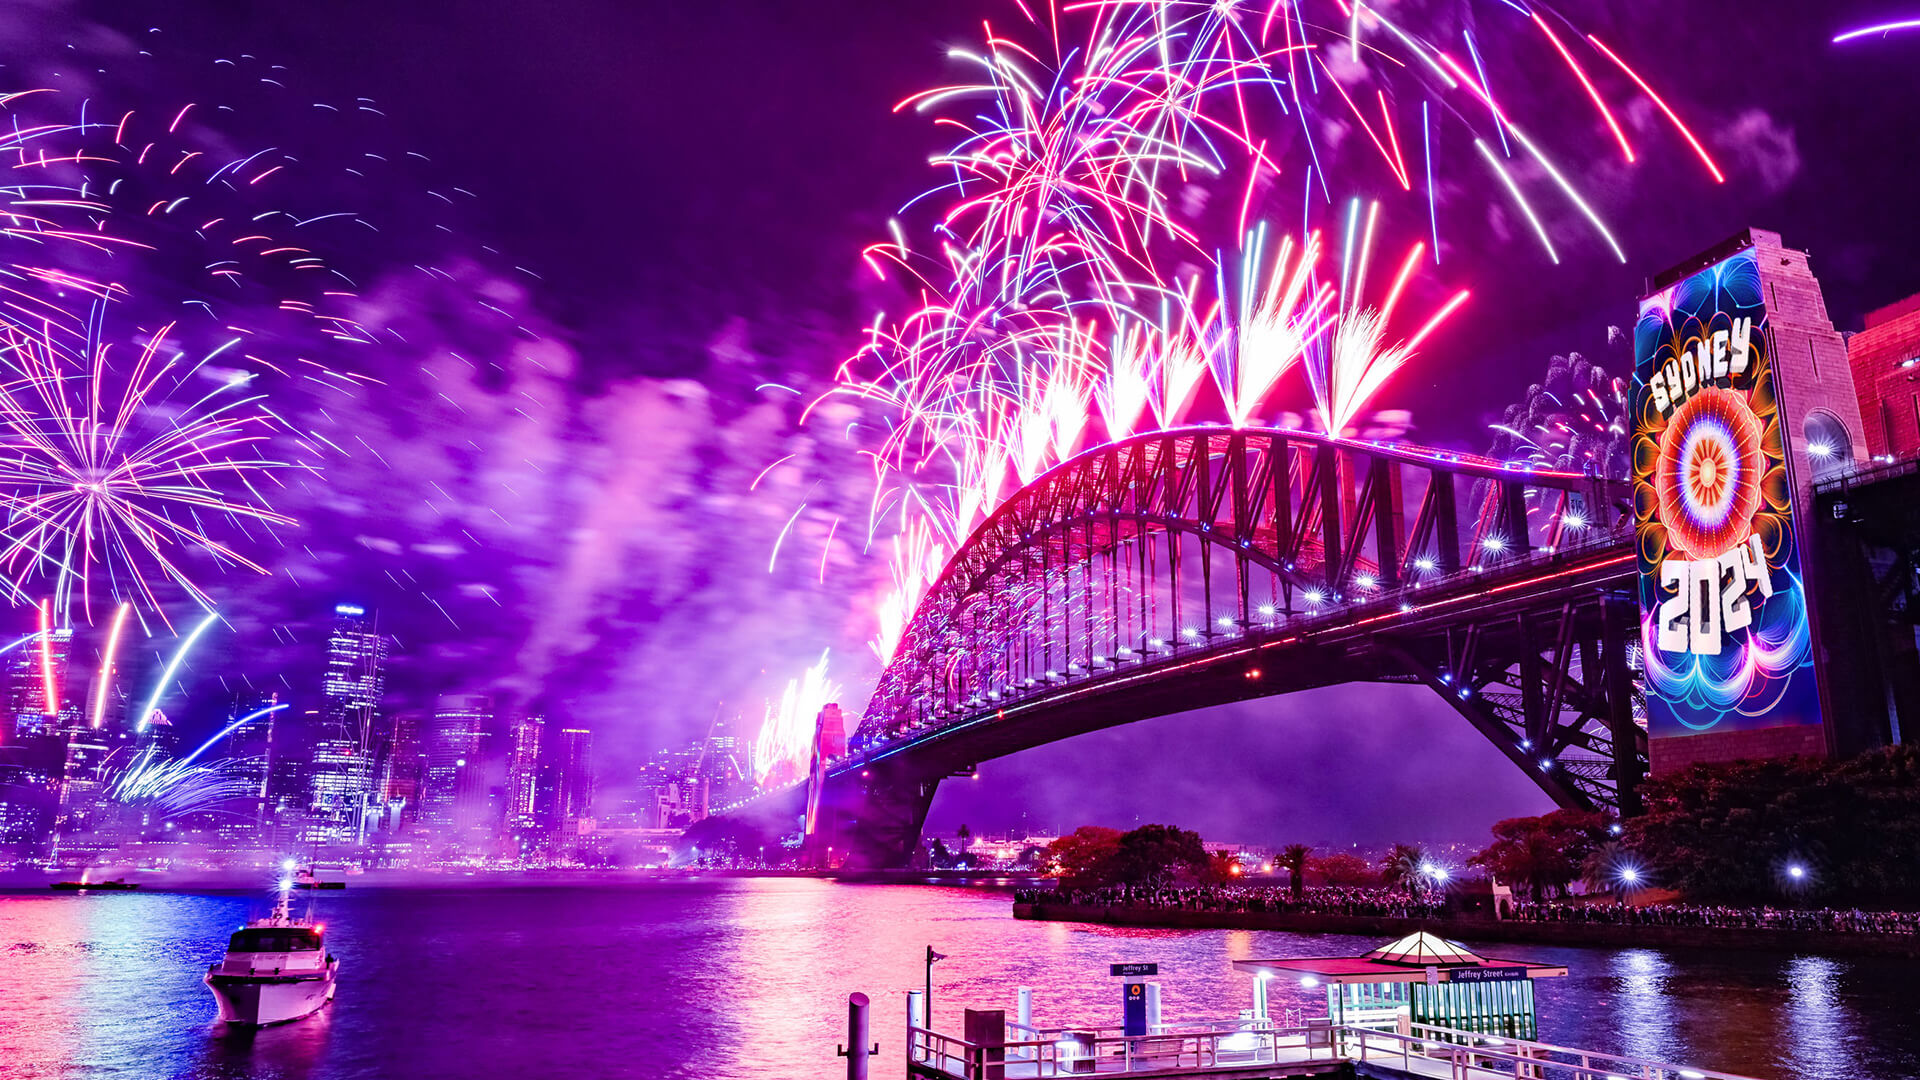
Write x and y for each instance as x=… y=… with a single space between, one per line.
x=1839 y=920
x=1374 y=900
x=1314 y=900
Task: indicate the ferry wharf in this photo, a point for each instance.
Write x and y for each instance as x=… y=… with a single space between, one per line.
x=1419 y=1007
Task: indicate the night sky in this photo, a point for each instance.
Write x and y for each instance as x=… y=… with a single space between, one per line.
x=667 y=202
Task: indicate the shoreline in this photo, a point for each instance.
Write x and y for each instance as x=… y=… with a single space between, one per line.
x=1573 y=935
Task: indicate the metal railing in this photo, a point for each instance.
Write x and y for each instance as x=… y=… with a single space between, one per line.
x=1424 y=1051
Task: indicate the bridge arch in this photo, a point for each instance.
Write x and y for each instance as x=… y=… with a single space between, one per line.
x=1202 y=565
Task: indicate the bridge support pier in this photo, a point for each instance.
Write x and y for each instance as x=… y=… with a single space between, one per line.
x=871 y=818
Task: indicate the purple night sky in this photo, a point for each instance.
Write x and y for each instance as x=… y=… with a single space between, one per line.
x=549 y=496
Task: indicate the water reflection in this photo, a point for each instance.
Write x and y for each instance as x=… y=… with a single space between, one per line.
x=1642 y=1006
x=1820 y=1033
x=745 y=980
x=287 y=1052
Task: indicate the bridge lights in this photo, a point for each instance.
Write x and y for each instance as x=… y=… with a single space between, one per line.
x=1423 y=564
x=1315 y=596
x=1574 y=521
x=1546 y=764
x=1366 y=581
x=1266 y=610
x=1526 y=744
x=1188 y=631
x=1494 y=543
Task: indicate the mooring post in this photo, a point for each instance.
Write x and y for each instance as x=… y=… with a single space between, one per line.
x=859 y=1030
x=916 y=1018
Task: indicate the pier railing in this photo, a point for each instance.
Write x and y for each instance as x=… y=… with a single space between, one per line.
x=1424 y=1052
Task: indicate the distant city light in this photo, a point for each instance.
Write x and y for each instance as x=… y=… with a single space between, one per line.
x=349 y=609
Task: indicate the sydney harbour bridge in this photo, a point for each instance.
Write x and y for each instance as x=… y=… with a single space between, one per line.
x=1200 y=566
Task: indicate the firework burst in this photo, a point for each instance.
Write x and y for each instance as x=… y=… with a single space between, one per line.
x=1072 y=287
x=117 y=475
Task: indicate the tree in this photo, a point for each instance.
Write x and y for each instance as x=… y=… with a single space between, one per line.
x=966 y=837
x=1155 y=855
x=1083 y=859
x=1727 y=832
x=939 y=856
x=1294 y=858
x=1345 y=868
x=1544 y=853
x=1605 y=867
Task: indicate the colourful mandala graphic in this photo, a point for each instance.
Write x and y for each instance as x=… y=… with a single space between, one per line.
x=1707 y=475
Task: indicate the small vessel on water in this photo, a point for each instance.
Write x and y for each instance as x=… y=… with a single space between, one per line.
x=307 y=879
x=276 y=969
x=83 y=885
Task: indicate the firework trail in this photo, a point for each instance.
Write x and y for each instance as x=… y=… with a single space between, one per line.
x=116 y=475
x=1071 y=286
x=785 y=743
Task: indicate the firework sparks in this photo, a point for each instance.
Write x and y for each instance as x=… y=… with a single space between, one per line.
x=1070 y=286
x=785 y=743
x=116 y=476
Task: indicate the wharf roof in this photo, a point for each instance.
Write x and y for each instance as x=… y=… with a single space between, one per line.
x=1405 y=960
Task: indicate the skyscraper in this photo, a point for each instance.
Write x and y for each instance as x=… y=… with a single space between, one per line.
x=36 y=676
x=573 y=781
x=527 y=786
x=341 y=776
x=454 y=802
x=356 y=676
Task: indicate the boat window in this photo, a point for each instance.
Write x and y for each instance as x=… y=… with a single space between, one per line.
x=274 y=939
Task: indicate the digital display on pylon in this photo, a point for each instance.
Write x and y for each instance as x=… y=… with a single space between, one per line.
x=1723 y=611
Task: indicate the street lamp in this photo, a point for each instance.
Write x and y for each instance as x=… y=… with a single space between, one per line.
x=926 y=1009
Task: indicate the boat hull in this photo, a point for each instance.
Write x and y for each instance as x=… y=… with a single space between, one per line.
x=260 y=1000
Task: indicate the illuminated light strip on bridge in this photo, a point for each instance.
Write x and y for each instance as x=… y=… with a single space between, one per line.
x=1236 y=652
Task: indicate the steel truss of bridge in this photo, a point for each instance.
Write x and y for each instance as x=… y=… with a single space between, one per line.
x=1196 y=567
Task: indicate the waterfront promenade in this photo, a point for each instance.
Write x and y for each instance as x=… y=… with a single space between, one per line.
x=1577 y=934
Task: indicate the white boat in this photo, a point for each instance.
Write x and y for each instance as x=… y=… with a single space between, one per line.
x=276 y=969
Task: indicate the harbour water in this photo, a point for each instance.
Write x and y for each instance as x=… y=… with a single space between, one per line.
x=737 y=979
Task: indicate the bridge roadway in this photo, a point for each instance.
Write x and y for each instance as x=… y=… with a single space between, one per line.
x=1534 y=652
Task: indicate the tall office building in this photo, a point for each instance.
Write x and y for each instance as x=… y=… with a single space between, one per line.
x=403 y=766
x=36 y=677
x=344 y=802
x=250 y=748
x=454 y=802
x=573 y=781
x=356 y=676
x=527 y=794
